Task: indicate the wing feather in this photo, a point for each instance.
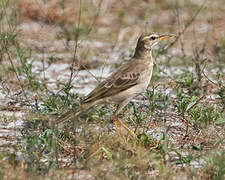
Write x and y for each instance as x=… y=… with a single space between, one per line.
x=112 y=86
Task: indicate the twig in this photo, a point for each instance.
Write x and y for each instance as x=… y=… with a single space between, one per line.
x=89 y=73
x=209 y=79
x=76 y=46
x=197 y=101
x=188 y=110
x=95 y=18
x=185 y=27
x=179 y=26
x=17 y=76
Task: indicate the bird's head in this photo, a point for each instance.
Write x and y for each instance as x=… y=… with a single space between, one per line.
x=147 y=41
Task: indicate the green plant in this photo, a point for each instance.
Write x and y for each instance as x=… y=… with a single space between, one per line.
x=183 y=101
x=56 y=103
x=26 y=68
x=39 y=147
x=157 y=100
x=188 y=81
x=204 y=115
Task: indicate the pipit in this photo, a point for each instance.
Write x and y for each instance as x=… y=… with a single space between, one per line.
x=128 y=81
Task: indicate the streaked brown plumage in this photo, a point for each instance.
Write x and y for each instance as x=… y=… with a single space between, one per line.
x=127 y=82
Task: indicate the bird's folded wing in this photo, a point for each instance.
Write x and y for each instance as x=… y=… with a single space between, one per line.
x=113 y=85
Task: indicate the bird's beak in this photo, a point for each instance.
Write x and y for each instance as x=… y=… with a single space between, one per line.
x=165 y=36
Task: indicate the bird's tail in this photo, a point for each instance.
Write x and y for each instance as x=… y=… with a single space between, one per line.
x=68 y=115
x=72 y=113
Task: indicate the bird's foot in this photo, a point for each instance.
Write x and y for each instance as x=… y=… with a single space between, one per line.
x=116 y=121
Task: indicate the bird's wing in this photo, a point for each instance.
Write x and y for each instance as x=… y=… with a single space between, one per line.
x=121 y=80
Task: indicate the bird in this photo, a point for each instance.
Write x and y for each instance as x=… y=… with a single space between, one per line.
x=128 y=81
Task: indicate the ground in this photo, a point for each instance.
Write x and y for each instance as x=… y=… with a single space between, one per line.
x=54 y=52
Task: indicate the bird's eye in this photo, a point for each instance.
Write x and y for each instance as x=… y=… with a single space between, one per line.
x=153 y=38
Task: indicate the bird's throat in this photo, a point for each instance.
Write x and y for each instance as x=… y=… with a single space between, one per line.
x=143 y=53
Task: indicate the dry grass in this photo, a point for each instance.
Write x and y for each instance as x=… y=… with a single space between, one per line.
x=49 y=12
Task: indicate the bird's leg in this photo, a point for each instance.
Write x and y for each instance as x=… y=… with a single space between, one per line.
x=125 y=127
x=119 y=108
x=115 y=122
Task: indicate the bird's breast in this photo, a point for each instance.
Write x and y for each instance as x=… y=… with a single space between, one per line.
x=146 y=76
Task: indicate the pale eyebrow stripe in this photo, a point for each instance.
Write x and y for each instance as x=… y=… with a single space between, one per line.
x=146 y=37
